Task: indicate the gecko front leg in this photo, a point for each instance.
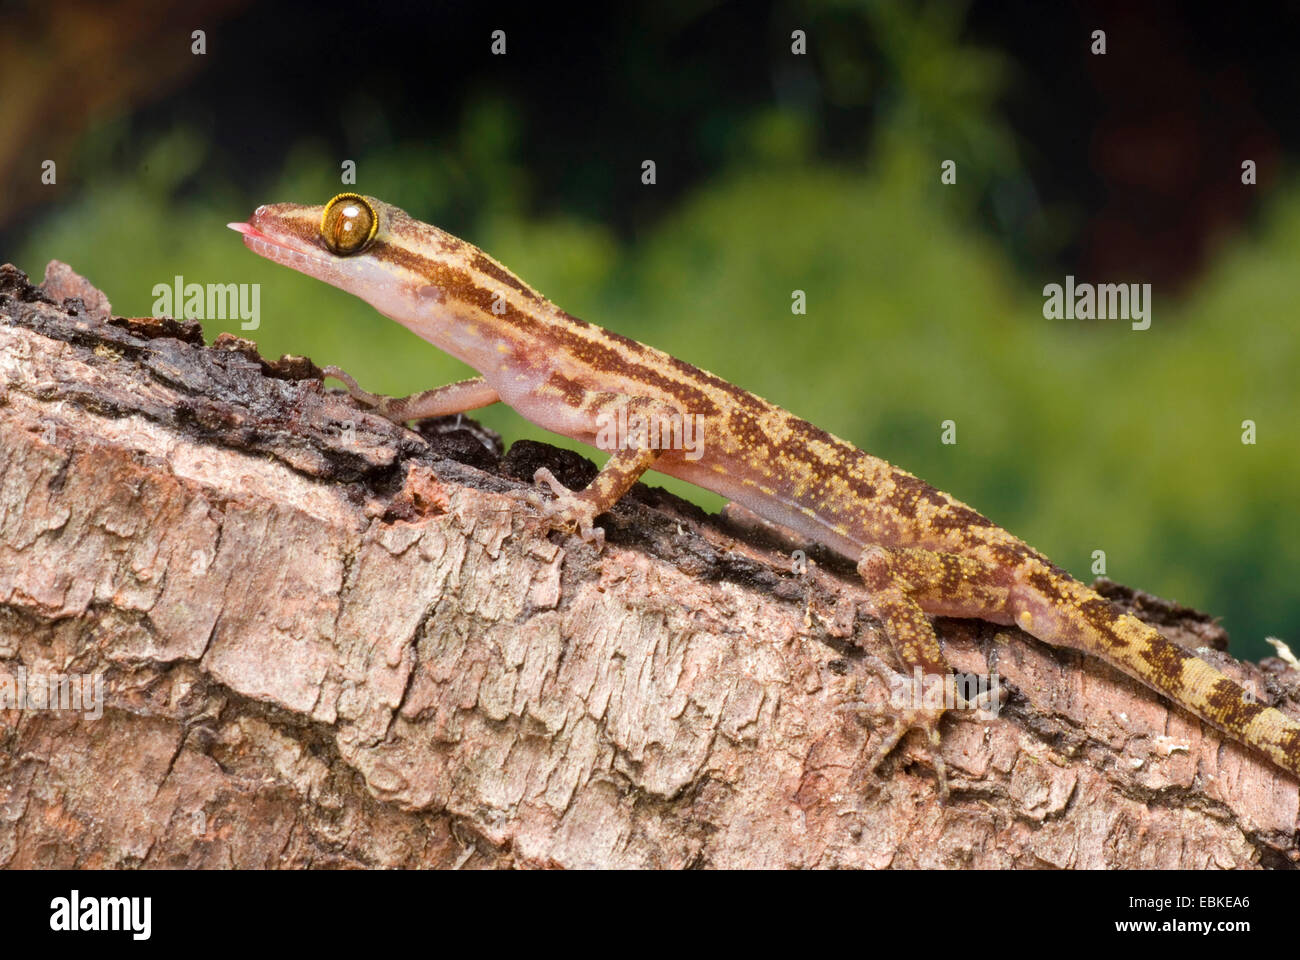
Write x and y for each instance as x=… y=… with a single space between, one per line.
x=633 y=455
x=439 y=402
x=903 y=585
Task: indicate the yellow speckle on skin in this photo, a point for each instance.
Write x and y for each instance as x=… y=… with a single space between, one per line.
x=1026 y=620
x=502 y=348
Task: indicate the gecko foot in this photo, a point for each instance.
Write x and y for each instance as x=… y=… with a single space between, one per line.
x=569 y=511
x=904 y=713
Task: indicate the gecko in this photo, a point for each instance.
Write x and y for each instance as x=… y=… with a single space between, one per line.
x=919 y=552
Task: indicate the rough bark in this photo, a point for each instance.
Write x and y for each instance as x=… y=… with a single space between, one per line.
x=330 y=641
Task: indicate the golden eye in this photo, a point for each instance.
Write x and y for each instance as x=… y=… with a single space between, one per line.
x=348 y=224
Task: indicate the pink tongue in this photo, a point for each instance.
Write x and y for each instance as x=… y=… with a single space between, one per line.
x=242 y=228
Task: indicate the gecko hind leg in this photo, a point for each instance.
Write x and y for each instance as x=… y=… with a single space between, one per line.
x=904 y=584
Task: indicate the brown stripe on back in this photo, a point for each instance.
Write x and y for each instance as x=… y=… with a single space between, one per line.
x=484 y=264
x=456 y=282
x=462 y=286
x=1052 y=568
x=632 y=346
x=741 y=396
x=912 y=490
x=1012 y=553
x=955 y=516
x=811 y=432
x=410 y=259
x=852 y=465
x=909 y=491
x=799 y=451
x=608 y=360
x=862 y=488
x=749 y=434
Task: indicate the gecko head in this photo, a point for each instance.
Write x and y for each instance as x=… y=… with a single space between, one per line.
x=318 y=240
x=354 y=242
x=413 y=272
x=362 y=245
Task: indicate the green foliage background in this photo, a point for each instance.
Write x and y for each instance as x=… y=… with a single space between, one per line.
x=1077 y=436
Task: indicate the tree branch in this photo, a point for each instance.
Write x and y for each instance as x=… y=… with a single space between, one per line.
x=327 y=640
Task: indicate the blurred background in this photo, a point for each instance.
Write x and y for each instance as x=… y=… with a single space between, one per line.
x=775 y=172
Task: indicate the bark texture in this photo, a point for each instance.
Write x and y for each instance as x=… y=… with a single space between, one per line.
x=326 y=640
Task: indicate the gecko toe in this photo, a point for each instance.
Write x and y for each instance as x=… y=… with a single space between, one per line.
x=544 y=478
x=902 y=720
x=569 y=511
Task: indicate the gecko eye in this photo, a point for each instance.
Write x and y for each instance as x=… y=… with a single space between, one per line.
x=348 y=224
